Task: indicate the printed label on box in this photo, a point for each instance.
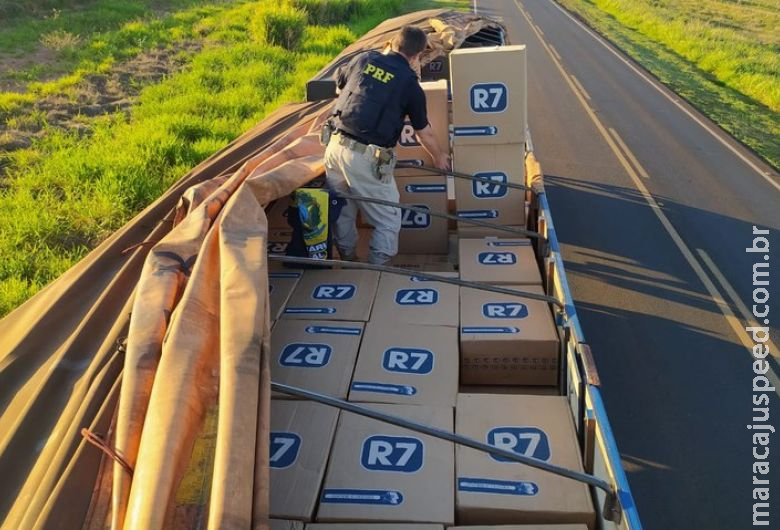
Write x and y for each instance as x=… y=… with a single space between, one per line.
x=485 y=190
x=416 y=296
x=488 y=97
x=400 y=454
x=408 y=361
x=500 y=487
x=354 y=496
x=504 y=310
x=302 y=355
x=284 y=449
x=334 y=292
x=415 y=220
x=527 y=441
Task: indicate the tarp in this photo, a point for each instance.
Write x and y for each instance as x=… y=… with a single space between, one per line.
x=163 y=322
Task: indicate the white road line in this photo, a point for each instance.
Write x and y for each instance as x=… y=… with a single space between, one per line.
x=475 y=6
x=579 y=85
x=717 y=134
x=628 y=152
x=725 y=309
x=555 y=52
x=747 y=316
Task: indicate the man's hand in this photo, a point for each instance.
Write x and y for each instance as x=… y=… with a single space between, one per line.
x=443 y=162
x=440 y=159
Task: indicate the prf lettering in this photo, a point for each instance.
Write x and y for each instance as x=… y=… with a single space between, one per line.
x=378 y=73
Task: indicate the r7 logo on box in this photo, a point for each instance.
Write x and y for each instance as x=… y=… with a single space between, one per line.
x=284 y=449
x=334 y=292
x=504 y=310
x=488 y=97
x=415 y=220
x=527 y=441
x=402 y=454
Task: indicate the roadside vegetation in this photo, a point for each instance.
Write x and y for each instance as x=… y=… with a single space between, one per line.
x=722 y=56
x=126 y=102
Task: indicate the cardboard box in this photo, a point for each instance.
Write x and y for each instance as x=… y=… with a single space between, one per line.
x=318 y=355
x=513 y=390
x=280 y=286
x=333 y=295
x=493 y=260
x=488 y=95
x=485 y=201
x=421 y=233
x=282 y=524
x=437 y=68
x=407 y=364
x=416 y=301
x=409 y=148
x=301 y=436
x=373 y=526
x=277 y=214
x=493 y=490
x=522 y=527
x=379 y=472
x=507 y=340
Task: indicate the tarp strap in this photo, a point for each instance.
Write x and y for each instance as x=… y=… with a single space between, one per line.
x=100 y=443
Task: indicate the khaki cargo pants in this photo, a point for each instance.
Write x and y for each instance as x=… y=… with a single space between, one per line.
x=349 y=171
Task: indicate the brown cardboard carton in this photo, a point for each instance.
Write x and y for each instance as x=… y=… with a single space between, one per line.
x=407 y=364
x=488 y=95
x=277 y=214
x=493 y=490
x=373 y=526
x=379 y=472
x=409 y=149
x=280 y=286
x=277 y=243
x=333 y=295
x=422 y=233
x=507 y=340
x=494 y=260
x=486 y=201
x=414 y=300
x=282 y=524
x=315 y=355
x=522 y=527
x=301 y=436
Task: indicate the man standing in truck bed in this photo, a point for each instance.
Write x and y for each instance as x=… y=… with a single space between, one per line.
x=377 y=92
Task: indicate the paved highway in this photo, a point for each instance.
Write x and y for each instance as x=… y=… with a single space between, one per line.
x=654 y=207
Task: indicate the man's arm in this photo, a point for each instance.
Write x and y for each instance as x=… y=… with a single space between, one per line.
x=418 y=114
x=428 y=140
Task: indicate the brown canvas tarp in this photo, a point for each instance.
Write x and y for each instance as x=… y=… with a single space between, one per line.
x=191 y=269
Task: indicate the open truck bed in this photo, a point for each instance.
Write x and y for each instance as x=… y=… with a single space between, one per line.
x=178 y=397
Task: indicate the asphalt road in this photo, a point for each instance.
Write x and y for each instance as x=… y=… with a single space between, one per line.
x=654 y=207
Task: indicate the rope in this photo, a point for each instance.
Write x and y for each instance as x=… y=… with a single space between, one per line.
x=100 y=443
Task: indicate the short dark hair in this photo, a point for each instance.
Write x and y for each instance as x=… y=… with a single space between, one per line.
x=411 y=41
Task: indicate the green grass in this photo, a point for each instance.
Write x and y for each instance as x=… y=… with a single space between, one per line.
x=722 y=56
x=66 y=193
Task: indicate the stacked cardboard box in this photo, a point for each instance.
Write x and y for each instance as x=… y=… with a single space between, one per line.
x=280 y=286
x=373 y=526
x=498 y=261
x=489 y=122
x=493 y=490
x=507 y=340
x=422 y=233
x=410 y=351
x=333 y=295
x=380 y=472
x=318 y=355
x=301 y=436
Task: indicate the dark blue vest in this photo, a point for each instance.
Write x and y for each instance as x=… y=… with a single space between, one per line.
x=371 y=106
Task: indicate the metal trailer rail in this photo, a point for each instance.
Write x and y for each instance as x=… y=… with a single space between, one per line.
x=580 y=379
